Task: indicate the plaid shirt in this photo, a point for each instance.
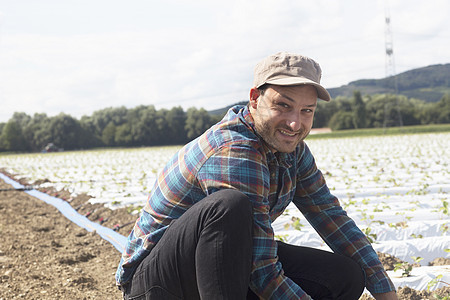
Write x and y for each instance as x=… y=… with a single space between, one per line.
x=231 y=155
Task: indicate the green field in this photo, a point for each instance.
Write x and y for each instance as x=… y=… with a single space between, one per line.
x=435 y=128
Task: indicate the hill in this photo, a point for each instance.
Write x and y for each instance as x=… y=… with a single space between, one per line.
x=429 y=84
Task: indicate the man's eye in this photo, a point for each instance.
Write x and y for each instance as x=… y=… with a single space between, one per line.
x=284 y=105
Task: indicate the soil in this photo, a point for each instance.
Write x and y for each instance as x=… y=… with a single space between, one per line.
x=43 y=255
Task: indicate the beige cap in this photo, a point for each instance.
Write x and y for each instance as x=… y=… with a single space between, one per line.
x=290 y=69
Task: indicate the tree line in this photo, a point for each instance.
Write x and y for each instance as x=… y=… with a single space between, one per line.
x=147 y=126
x=378 y=111
x=110 y=127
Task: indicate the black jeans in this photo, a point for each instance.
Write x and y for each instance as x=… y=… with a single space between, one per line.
x=321 y=274
x=207 y=253
x=204 y=254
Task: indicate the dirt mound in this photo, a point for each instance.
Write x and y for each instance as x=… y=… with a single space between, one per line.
x=440 y=261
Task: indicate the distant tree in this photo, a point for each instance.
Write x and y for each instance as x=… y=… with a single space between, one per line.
x=123 y=135
x=176 y=120
x=358 y=110
x=101 y=118
x=108 y=134
x=66 y=132
x=324 y=112
x=91 y=137
x=376 y=109
x=163 y=131
x=143 y=128
x=21 y=118
x=341 y=120
x=443 y=106
x=12 y=138
x=409 y=110
x=37 y=132
x=197 y=121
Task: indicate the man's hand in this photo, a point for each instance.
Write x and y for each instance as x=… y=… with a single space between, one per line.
x=386 y=296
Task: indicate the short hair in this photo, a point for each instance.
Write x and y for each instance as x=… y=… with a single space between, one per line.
x=262 y=89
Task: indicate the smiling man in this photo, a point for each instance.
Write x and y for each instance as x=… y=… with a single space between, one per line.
x=206 y=230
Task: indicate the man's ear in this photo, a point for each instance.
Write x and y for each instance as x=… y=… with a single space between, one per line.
x=254 y=95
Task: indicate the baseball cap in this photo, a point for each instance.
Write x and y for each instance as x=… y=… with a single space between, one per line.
x=290 y=69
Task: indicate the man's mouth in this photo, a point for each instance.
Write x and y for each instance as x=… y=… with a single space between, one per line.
x=288 y=133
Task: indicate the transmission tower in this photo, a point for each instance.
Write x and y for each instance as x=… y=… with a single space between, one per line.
x=391 y=76
x=389 y=44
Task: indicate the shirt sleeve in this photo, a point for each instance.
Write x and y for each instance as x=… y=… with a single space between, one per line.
x=241 y=167
x=337 y=229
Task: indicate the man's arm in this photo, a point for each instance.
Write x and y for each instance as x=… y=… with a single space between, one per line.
x=338 y=230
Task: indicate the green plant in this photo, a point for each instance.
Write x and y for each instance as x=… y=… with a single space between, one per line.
x=407 y=267
x=444 y=209
x=383 y=207
x=433 y=283
x=405 y=218
x=416 y=236
x=134 y=209
x=372 y=237
x=295 y=223
x=282 y=237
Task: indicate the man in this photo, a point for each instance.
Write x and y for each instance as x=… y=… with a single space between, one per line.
x=205 y=232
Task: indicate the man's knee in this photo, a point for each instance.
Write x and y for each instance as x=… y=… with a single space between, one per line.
x=233 y=203
x=355 y=278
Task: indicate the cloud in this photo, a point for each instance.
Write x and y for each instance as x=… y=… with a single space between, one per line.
x=199 y=53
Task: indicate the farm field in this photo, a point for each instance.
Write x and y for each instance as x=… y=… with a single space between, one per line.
x=395 y=187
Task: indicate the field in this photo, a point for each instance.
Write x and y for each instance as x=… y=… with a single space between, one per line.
x=394 y=186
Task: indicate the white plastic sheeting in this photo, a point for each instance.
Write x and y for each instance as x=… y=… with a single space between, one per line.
x=116 y=239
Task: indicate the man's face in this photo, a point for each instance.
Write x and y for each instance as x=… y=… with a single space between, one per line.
x=283 y=115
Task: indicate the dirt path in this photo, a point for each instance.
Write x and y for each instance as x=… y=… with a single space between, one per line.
x=43 y=255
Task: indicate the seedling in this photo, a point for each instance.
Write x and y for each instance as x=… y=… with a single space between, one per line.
x=444 y=209
x=295 y=223
x=407 y=267
x=282 y=237
x=134 y=209
x=418 y=236
x=372 y=237
x=433 y=283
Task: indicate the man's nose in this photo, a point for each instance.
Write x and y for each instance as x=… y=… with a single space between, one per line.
x=294 y=122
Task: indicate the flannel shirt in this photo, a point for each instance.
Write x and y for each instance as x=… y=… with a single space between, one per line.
x=231 y=155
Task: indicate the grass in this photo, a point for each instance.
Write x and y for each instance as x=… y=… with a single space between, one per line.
x=435 y=128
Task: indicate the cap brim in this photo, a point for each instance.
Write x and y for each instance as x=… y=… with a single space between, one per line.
x=322 y=93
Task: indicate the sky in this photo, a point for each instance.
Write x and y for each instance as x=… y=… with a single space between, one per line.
x=77 y=57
